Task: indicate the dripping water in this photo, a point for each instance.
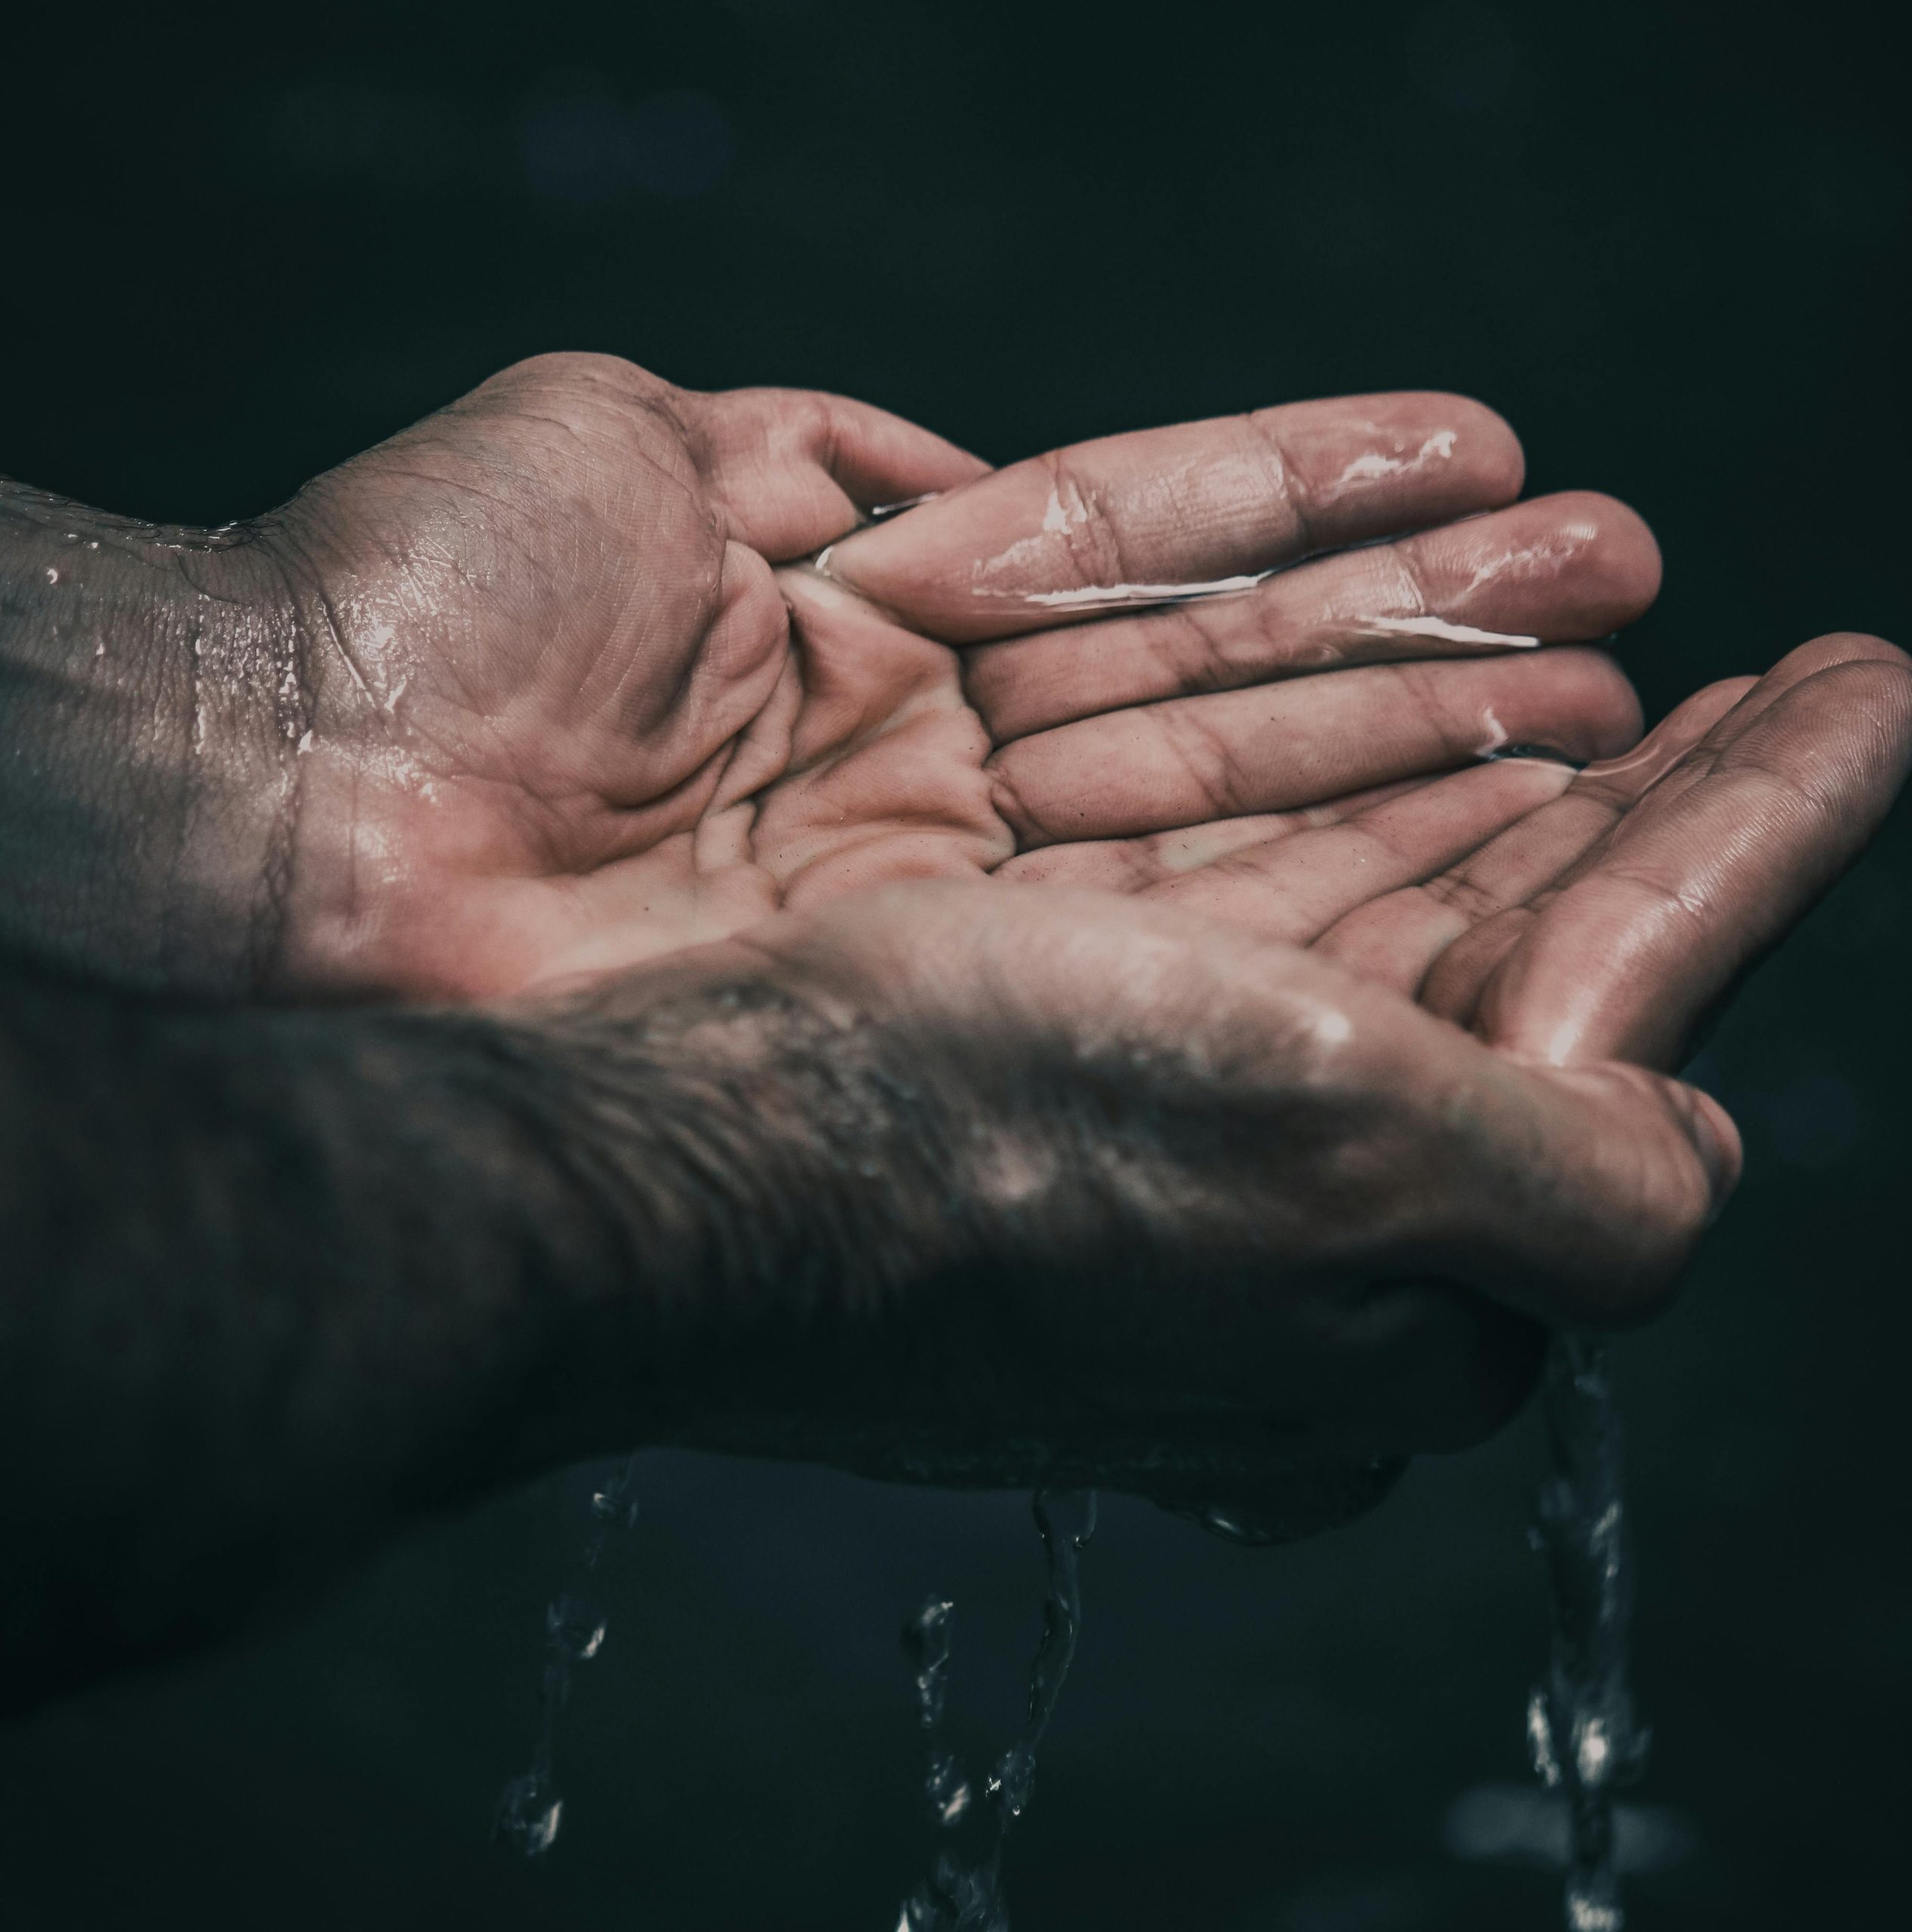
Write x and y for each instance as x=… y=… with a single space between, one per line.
x=926 y=1641
x=530 y=1808
x=1586 y=1740
x=964 y=1893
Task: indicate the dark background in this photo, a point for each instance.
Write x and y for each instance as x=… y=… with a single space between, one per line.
x=1669 y=242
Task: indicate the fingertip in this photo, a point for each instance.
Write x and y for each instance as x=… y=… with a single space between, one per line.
x=1842 y=654
x=1836 y=647
x=1863 y=686
x=1407 y=459
x=1603 y=696
x=1882 y=671
x=1623 y=566
x=1495 y=454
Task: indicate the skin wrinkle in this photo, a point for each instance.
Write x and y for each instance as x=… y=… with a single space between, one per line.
x=552 y=799
x=1205 y=665
x=1286 y=485
x=1160 y=858
x=690 y=664
x=1414 y=595
x=200 y=588
x=1460 y=894
x=331 y=638
x=1218 y=773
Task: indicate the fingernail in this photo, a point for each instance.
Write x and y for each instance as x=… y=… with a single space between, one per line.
x=1716 y=1140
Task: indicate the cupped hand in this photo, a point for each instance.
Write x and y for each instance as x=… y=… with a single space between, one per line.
x=598 y=668
x=1075 y=1188
x=1237 y=1225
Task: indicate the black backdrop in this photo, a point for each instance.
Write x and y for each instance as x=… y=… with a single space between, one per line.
x=1667 y=242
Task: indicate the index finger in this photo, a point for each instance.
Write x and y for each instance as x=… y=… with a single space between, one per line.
x=1197 y=510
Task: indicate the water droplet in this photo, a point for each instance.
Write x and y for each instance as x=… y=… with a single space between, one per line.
x=576 y=1627
x=1588 y=1911
x=1013 y=1780
x=529 y=1813
x=1540 y=1741
x=946 y=1789
x=1234 y=1527
x=615 y=1506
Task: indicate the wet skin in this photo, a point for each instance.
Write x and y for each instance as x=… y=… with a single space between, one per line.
x=545 y=685
x=989 y=1048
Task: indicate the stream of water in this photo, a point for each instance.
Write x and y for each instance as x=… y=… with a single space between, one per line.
x=964 y=1890
x=1586 y=1739
x=530 y=1808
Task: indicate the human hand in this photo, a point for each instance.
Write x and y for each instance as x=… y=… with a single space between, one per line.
x=540 y=686
x=969 y=1184
x=1048 y=1186
x=1599 y=929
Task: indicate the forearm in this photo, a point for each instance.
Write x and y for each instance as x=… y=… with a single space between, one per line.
x=277 y=1281
x=152 y=702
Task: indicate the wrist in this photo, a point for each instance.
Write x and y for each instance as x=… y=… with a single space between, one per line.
x=748 y=1135
x=152 y=700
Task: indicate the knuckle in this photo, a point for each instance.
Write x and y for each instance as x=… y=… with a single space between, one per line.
x=1092 y=537
x=1208 y=753
x=1008 y=797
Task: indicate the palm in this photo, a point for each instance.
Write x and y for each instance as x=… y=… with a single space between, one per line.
x=551 y=658
x=579 y=701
